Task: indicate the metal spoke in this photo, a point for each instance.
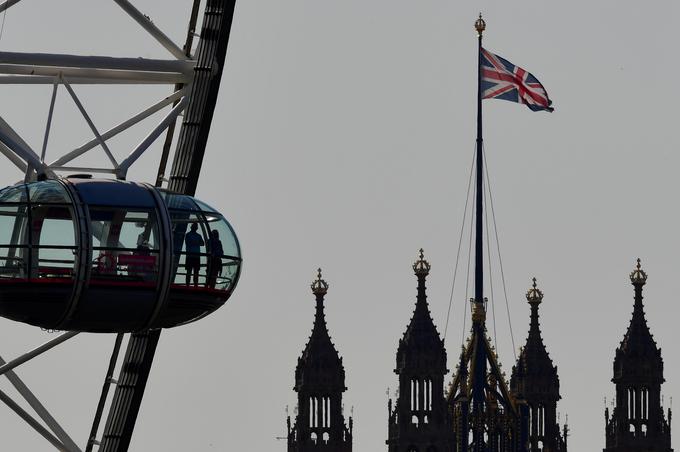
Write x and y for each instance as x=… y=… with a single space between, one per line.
x=36 y=351
x=40 y=410
x=49 y=120
x=18 y=146
x=7 y=152
x=65 y=61
x=90 y=123
x=33 y=422
x=155 y=133
x=153 y=30
x=118 y=129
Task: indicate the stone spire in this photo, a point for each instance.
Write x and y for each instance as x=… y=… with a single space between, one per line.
x=534 y=362
x=535 y=380
x=421 y=341
x=638 y=345
x=320 y=361
x=319 y=382
x=420 y=420
x=637 y=421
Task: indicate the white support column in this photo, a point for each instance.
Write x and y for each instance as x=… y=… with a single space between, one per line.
x=155 y=133
x=90 y=123
x=153 y=30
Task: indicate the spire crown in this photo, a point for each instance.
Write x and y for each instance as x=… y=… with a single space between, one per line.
x=534 y=295
x=421 y=267
x=480 y=25
x=638 y=276
x=319 y=286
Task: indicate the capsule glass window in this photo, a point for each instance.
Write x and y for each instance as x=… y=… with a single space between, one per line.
x=224 y=254
x=53 y=241
x=124 y=245
x=14 y=250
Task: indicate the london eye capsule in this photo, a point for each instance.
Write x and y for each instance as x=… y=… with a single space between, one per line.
x=111 y=256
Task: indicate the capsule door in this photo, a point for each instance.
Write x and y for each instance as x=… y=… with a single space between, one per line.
x=124 y=270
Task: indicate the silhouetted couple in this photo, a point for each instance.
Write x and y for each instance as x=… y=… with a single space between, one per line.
x=193 y=242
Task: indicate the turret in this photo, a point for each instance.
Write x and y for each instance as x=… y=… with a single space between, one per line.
x=535 y=381
x=319 y=382
x=637 y=422
x=420 y=418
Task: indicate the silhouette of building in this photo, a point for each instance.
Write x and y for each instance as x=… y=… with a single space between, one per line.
x=419 y=420
x=517 y=417
x=535 y=381
x=637 y=423
x=319 y=382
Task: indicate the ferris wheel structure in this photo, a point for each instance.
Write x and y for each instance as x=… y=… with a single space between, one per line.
x=131 y=240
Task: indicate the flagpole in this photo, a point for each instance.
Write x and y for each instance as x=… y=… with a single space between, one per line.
x=480 y=25
x=479 y=360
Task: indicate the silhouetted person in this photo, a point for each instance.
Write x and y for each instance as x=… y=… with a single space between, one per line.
x=216 y=253
x=193 y=242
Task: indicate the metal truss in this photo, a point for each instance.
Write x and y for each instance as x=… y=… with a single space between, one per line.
x=67 y=71
x=192 y=88
x=53 y=433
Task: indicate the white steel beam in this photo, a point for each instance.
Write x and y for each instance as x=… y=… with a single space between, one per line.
x=39 y=409
x=155 y=133
x=98 y=62
x=90 y=123
x=95 y=76
x=7 y=152
x=153 y=30
x=37 y=426
x=49 y=120
x=14 y=135
x=36 y=351
x=8 y=4
x=82 y=169
x=15 y=144
x=100 y=78
x=119 y=128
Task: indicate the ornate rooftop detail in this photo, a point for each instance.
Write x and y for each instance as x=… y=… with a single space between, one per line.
x=421 y=267
x=319 y=286
x=638 y=276
x=534 y=295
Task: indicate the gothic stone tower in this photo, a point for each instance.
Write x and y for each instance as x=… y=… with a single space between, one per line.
x=535 y=380
x=319 y=381
x=638 y=423
x=419 y=421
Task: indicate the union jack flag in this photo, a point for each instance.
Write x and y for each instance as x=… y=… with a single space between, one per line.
x=503 y=80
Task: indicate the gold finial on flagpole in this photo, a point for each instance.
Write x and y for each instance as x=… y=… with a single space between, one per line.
x=480 y=25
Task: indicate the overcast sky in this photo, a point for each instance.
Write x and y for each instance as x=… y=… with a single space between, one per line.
x=343 y=138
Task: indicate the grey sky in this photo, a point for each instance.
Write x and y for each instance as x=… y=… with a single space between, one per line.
x=342 y=138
